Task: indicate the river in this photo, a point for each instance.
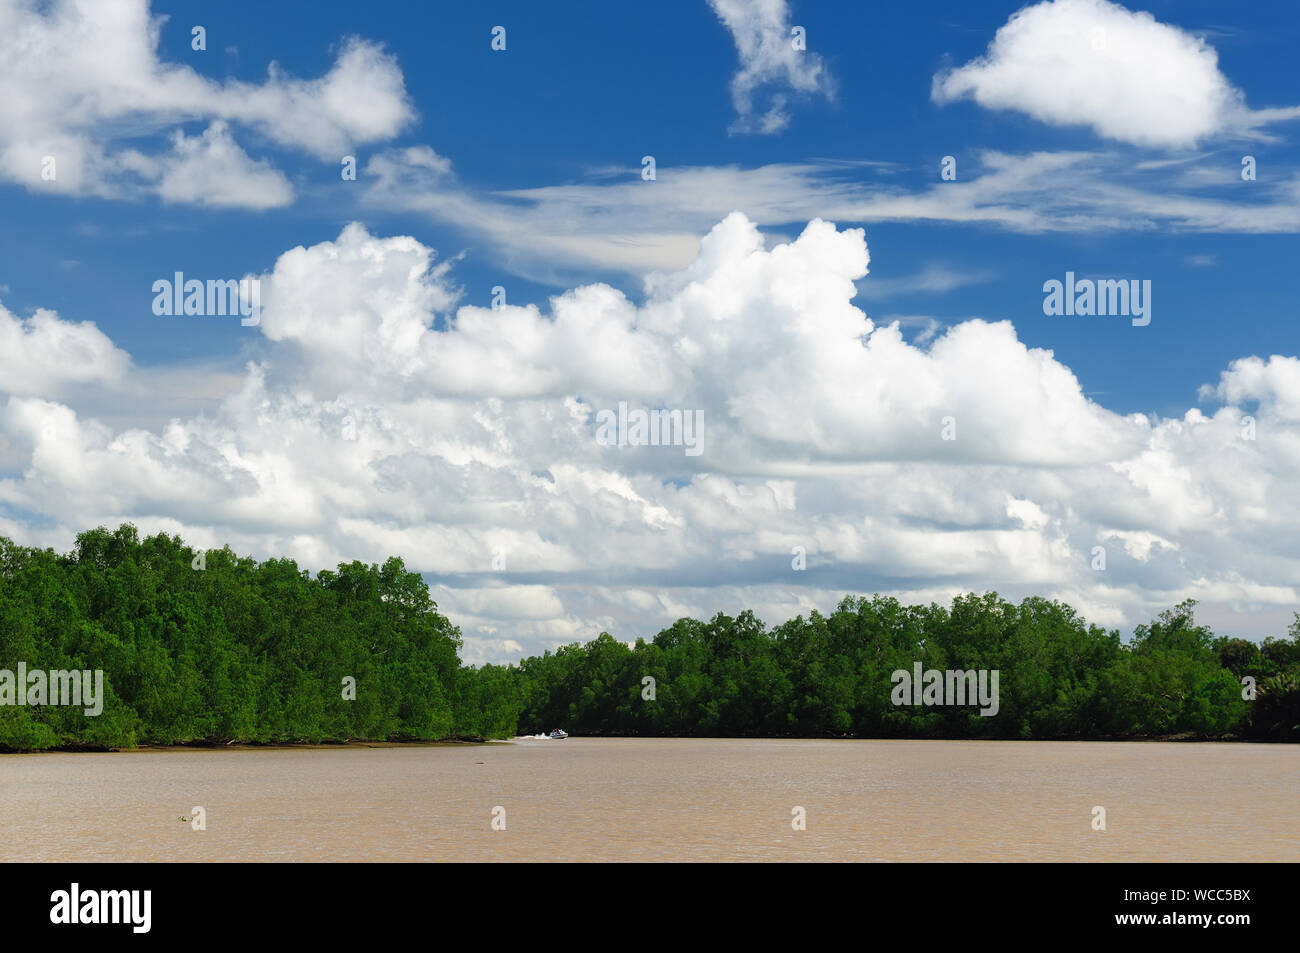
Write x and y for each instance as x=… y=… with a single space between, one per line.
x=590 y=799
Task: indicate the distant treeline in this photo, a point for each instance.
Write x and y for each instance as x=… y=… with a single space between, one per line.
x=236 y=650
x=830 y=676
x=212 y=648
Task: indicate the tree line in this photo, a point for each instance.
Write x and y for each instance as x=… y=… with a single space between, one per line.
x=213 y=648
x=210 y=647
x=832 y=676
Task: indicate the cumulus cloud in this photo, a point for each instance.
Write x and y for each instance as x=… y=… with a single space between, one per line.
x=120 y=91
x=386 y=419
x=1095 y=63
x=357 y=292
x=771 y=61
x=213 y=170
x=42 y=355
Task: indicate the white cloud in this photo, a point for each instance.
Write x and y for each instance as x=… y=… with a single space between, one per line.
x=934 y=278
x=557 y=234
x=212 y=170
x=1095 y=63
x=376 y=295
x=117 y=89
x=1275 y=383
x=768 y=58
x=42 y=355
x=929 y=325
x=471 y=452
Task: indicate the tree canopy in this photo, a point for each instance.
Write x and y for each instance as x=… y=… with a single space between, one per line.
x=831 y=676
x=210 y=647
x=236 y=650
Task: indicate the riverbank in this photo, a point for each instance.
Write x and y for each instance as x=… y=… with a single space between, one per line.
x=261 y=746
x=1182 y=737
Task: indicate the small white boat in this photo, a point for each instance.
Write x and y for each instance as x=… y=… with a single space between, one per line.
x=559 y=734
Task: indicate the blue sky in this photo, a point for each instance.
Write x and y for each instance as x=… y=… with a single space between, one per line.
x=538 y=152
x=599 y=86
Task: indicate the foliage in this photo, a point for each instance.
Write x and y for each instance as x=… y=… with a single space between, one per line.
x=235 y=651
x=249 y=651
x=831 y=676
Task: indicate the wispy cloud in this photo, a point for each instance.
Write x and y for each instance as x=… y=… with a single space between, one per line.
x=774 y=64
x=934 y=278
x=630 y=225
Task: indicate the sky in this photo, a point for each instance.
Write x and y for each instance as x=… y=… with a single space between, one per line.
x=826 y=231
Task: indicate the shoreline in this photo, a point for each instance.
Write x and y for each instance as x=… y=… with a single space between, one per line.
x=260 y=746
x=354 y=743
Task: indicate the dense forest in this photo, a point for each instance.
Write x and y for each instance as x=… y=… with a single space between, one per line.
x=212 y=648
x=236 y=650
x=830 y=676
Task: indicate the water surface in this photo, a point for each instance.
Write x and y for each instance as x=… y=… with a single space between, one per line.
x=588 y=799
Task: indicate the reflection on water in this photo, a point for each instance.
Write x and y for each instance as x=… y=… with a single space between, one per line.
x=586 y=799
